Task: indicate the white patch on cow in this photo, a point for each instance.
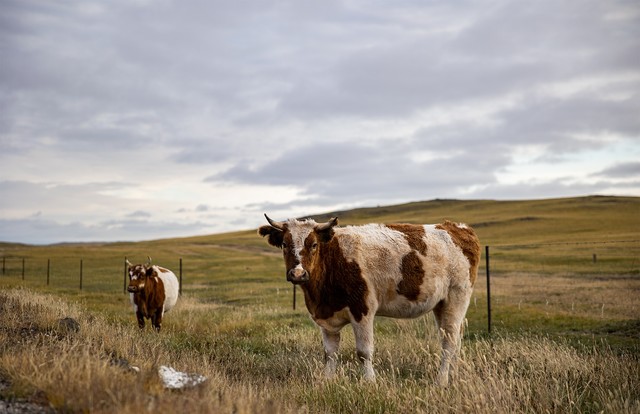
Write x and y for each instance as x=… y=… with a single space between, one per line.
x=431 y=229
x=300 y=230
x=171 y=288
x=374 y=233
x=376 y=247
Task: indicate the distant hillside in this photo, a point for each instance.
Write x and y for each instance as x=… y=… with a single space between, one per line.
x=593 y=217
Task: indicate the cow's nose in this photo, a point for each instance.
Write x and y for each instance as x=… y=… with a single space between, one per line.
x=131 y=289
x=297 y=275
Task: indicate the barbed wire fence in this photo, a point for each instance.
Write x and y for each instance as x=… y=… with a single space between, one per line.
x=73 y=272
x=581 y=279
x=588 y=278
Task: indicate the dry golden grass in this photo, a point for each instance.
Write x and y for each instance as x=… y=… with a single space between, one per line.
x=77 y=371
x=269 y=360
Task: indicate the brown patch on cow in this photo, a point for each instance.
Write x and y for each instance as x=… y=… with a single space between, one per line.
x=163 y=270
x=335 y=284
x=465 y=238
x=411 y=267
x=414 y=234
x=412 y=276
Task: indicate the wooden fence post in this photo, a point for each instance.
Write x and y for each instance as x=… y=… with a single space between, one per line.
x=23 y=268
x=180 y=288
x=294 y=297
x=48 y=270
x=80 y=274
x=486 y=256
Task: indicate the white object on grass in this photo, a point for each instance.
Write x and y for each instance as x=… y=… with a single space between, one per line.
x=175 y=380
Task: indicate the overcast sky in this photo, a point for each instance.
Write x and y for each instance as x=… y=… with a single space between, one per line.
x=136 y=120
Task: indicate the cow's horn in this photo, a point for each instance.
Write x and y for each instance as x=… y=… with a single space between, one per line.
x=275 y=224
x=148 y=261
x=333 y=221
x=129 y=263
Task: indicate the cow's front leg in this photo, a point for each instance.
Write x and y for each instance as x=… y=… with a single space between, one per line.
x=363 y=332
x=140 y=317
x=331 y=343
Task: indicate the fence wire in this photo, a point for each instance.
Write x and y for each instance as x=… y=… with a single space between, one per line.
x=588 y=280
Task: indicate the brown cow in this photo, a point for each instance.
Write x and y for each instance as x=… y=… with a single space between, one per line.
x=350 y=274
x=153 y=291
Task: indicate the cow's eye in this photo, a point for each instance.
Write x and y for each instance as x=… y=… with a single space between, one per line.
x=314 y=246
x=284 y=245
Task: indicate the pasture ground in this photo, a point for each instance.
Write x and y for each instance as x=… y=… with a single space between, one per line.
x=565 y=338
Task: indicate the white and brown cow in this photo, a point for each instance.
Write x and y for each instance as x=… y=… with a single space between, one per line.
x=351 y=274
x=153 y=291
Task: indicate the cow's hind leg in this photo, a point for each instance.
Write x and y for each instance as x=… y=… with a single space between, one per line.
x=450 y=315
x=363 y=332
x=331 y=343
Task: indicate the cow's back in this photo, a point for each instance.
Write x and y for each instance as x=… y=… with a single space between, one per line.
x=380 y=249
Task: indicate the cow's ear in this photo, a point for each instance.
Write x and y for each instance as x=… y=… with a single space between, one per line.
x=325 y=230
x=325 y=235
x=149 y=271
x=275 y=236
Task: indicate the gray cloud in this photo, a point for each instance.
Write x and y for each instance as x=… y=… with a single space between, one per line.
x=558 y=188
x=57 y=196
x=509 y=48
x=294 y=106
x=139 y=214
x=334 y=172
x=622 y=170
x=45 y=231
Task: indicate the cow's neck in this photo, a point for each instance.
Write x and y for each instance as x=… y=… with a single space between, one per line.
x=149 y=289
x=334 y=284
x=320 y=277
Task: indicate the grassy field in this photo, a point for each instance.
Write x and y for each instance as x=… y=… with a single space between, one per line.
x=566 y=328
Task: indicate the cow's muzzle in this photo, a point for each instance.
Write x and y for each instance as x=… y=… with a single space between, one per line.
x=132 y=289
x=297 y=275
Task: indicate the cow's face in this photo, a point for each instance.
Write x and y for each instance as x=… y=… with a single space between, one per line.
x=138 y=275
x=301 y=242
